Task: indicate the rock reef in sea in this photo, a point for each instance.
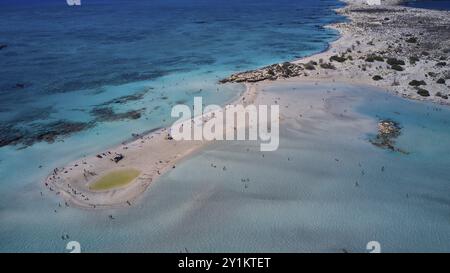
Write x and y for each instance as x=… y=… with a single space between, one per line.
x=86 y=82
x=51 y=132
x=272 y=72
x=59 y=128
x=388 y=132
x=127 y=98
x=105 y=114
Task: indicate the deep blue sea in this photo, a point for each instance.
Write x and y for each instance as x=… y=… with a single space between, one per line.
x=76 y=80
x=429 y=4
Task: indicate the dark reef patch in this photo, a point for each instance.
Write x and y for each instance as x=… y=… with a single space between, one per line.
x=39 y=132
x=32 y=114
x=31 y=132
x=82 y=84
x=125 y=99
x=10 y=135
x=388 y=132
x=107 y=114
x=57 y=129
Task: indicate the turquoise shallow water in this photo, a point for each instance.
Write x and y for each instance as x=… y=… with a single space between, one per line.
x=303 y=197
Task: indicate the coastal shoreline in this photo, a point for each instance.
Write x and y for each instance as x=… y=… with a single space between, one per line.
x=155 y=153
x=401 y=49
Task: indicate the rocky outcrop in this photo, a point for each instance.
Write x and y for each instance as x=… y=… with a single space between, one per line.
x=399 y=48
x=423 y=92
x=272 y=72
x=388 y=132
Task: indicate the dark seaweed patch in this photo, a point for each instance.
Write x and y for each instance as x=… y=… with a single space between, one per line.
x=10 y=135
x=83 y=84
x=388 y=132
x=133 y=97
x=107 y=114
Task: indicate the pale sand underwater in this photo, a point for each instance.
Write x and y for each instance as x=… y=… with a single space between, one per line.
x=327 y=188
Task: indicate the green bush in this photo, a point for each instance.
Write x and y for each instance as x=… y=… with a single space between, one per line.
x=337 y=58
x=394 y=61
x=373 y=57
x=327 y=66
x=417 y=83
x=397 y=67
x=412 y=40
x=413 y=59
x=423 y=92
